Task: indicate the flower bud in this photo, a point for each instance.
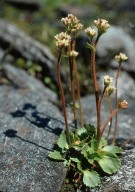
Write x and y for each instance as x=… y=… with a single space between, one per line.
x=123 y=104
x=62 y=39
x=72 y=53
x=109 y=90
x=107 y=80
x=72 y=23
x=102 y=25
x=121 y=57
x=90 y=32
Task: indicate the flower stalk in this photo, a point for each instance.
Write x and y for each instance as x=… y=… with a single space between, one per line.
x=71 y=66
x=62 y=97
x=78 y=88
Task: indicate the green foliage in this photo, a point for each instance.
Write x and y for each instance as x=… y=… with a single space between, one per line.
x=86 y=156
x=62 y=142
x=91 y=178
x=109 y=163
x=31 y=67
x=56 y=155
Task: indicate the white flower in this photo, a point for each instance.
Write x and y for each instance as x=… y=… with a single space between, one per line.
x=102 y=25
x=123 y=104
x=107 y=80
x=109 y=90
x=72 y=23
x=72 y=53
x=90 y=32
x=62 y=39
x=121 y=57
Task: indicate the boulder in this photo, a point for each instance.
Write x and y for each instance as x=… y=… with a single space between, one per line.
x=126 y=84
x=29 y=127
x=126 y=118
x=26 y=4
x=114 y=41
x=20 y=79
x=22 y=45
x=123 y=181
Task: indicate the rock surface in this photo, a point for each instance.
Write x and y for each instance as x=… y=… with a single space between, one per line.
x=123 y=181
x=29 y=126
x=22 y=45
x=114 y=41
x=20 y=78
x=126 y=118
x=27 y=4
x=126 y=84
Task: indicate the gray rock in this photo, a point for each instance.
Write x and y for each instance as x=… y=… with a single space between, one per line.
x=26 y=47
x=123 y=181
x=78 y=11
x=115 y=40
x=126 y=118
x=29 y=126
x=27 y=4
x=126 y=84
x=21 y=79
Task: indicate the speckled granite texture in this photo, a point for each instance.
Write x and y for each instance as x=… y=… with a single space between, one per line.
x=29 y=126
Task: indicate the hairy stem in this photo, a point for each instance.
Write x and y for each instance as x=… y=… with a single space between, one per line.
x=116 y=103
x=107 y=121
x=110 y=108
x=99 y=106
x=78 y=88
x=95 y=88
x=72 y=88
x=62 y=97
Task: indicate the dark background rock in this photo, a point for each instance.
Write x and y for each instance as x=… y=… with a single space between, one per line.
x=126 y=84
x=26 y=47
x=20 y=79
x=123 y=181
x=126 y=118
x=26 y=4
x=114 y=41
x=29 y=126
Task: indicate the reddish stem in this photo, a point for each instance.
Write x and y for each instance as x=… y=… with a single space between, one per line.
x=107 y=121
x=72 y=88
x=62 y=97
x=116 y=103
x=95 y=88
x=78 y=88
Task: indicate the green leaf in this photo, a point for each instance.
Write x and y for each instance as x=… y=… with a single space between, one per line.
x=67 y=163
x=91 y=129
x=109 y=163
x=75 y=159
x=72 y=137
x=103 y=142
x=91 y=178
x=94 y=144
x=90 y=47
x=56 y=155
x=79 y=167
x=62 y=141
x=112 y=149
x=81 y=131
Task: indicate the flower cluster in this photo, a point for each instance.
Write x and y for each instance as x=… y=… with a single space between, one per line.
x=72 y=23
x=107 y=80
x=123 y=104
x=62 y=40
x=121 y=57
x=102 y=25
x=109 y=89
x=72 y=53
x=90 y=32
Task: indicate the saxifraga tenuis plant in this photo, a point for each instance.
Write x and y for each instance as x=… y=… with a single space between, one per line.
x=84 y=149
